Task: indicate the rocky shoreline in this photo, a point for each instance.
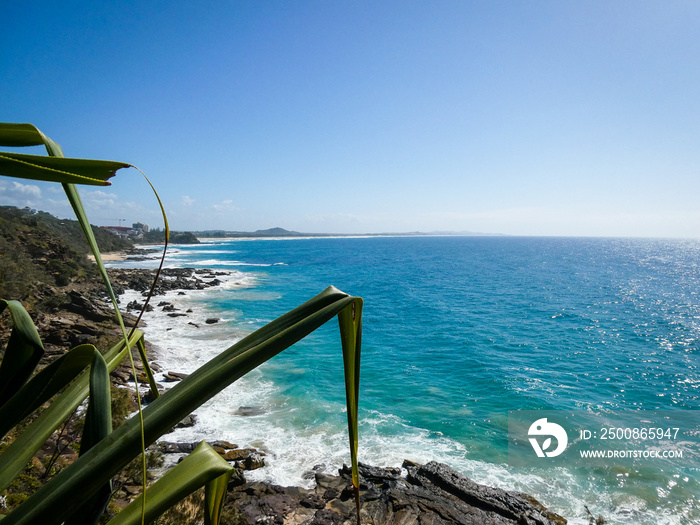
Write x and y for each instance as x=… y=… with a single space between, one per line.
x=413 y=494
x=430 y=494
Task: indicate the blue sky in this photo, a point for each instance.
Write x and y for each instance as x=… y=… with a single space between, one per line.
x=523 y=118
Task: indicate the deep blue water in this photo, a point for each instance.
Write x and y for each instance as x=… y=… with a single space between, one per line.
x=458 y=331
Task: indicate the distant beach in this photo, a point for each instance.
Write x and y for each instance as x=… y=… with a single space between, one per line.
x=110 y=256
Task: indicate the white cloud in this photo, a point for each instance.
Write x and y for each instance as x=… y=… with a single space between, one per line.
x=28 y=190
x=20 y=195
x=187 y=201
x=102 y=207
x=99 y=198
x=225 y=206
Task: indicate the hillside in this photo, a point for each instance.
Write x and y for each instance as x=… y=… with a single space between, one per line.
x=39 y=252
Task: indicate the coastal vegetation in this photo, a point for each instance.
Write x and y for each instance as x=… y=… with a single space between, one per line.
x=81 y=491
x=41 y=252
x=157 y=236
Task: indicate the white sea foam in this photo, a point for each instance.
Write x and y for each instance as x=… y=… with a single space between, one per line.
x=206 y=251
x=220 y=262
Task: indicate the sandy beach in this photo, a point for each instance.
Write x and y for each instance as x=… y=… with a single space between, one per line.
x=110 y=256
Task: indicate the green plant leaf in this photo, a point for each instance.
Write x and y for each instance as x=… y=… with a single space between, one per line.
x=22 y=354
x=20 y=135
x=147 y=369
x=350 y=322
x=21 y=450
x=44 y=385
x=55 y=168
x=214 y=498
x=52 y=502
x=200 y=468
x=59 y=169
x=98 y=424
x=90 y=172
x=98 y=420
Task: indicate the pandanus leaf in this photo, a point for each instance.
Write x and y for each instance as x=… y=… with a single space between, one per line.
x=55 y=168
x=98 y=424
x=59 y=169
x=44 y=385
x=20 y=135
x=203 y=467
x=52 y=502
x=15 y=457
x=22 y=354
x=350 y=321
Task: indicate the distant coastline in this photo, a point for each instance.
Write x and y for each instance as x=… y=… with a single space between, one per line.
x=193 y=237
x=281 y=232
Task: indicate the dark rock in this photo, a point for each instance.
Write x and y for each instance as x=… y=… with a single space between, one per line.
x=81 y=339
x=377 y=473
x=237 y=479
x=171 y=279
x=253 y=462
x=169 y=447
x=148 y=397
x=433 y=494
x=313 y=501
x=187 y=421
x=175 y=314
x=135 y=305
x=171 y=377
x=212 y=320
x=89 y=307
x=239 y=454
x=326 y=517
x=141 y=377
x=249 y=411
x=223 y=444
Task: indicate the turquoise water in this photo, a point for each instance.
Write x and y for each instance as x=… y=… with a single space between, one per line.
x=458 y=331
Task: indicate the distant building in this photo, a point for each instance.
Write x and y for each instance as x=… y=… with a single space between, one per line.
x=122 y=231
x=141 y=227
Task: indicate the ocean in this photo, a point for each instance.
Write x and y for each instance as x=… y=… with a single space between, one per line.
x=458 y=332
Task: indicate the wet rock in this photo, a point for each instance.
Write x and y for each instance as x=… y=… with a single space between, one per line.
x=223 y=444
x=432 y=494
x=253 y=462
x=171 y=377
x=239 y=454
x=187 y=421
x=237 y=479
x=212 y=320
x=135 y=305
x=249 y=411
x=170 y=447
